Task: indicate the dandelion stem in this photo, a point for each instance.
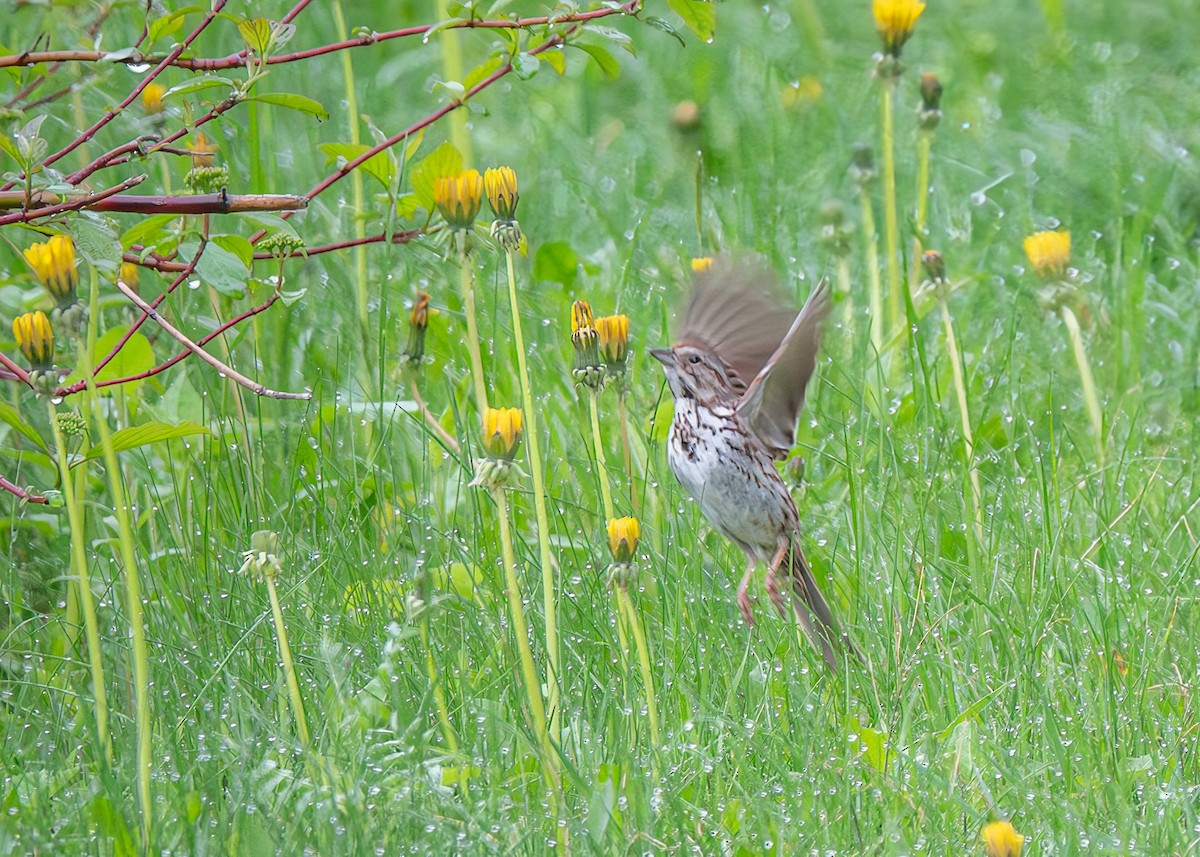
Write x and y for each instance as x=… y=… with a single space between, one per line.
x=626 y=451
x=601 y=463
x=91 y=626
x=439 y=695
x=533 y=686
x=625 y=603
x=960 y=393
x=1090 y=396
x=924 y=148
x=890 y=226
x=549 y=584
x=875 y=288
x=467 y=280
x=843 y=288
x=289 y=666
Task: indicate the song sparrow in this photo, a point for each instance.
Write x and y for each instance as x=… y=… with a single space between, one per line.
x=738 y=372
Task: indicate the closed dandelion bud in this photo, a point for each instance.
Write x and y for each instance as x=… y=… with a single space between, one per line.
x=862 y=164
x=1049 y=252
x=1002 y=840
x=588 y=368
x=459 y=198
x=929 y=114
x=502 y=433
x=418 y=320
x=613 y=334
x=152 y=98
x=500 y=184
x=54 y=263
x=935 y=266
x=835 y=229
x=895 y=20
x=35 y=338
x=623 y=536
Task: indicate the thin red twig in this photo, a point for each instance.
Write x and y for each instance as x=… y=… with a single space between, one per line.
x=21 y=493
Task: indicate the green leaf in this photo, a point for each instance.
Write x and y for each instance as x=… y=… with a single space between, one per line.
x=96 y=240
x=556 y=261
x=292 y=101
x=144 y=435
x=445 y=160
x=256 y=33
x=699 y=15
x=378 y=166
x=269 y=221
x=197 y=84
x=168 y=24
x=603 y=59
x=238 y=246
x=148 y=230
x=12 y=416
x=525 y=65
x=220 y=268
x=481 y=71
x=134 y=358
x=555 y=59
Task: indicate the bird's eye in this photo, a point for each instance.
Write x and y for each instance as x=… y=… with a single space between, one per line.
x=695 y=358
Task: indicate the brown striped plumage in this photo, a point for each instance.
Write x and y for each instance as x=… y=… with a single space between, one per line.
x=738 y=372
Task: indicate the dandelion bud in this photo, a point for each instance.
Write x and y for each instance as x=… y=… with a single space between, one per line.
x=500 y=185
x=203 y=151
x=418 y=320
x=54 y=263
x=129 y=274
x=459 y=198
x=613 y=334
x=588 y=368
x=623 y=536
x=929 y=114
x=701 y=264
x=835 y=229
x=935 y=266
x=35 y=338
x=1049 y=252
x=501 y=433
x=1002 y=840
x=152 y=98
x=862 y=164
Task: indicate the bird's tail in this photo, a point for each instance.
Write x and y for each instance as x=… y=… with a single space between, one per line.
x=809 y=605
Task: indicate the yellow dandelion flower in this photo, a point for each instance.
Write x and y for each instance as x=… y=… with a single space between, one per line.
x=1049 y=251
x=500 y=185
x=152 y=98
x=54 y=263
x=35 y=338
x=613 y=333
x=581 y=317
x=895 y=20
x=501 y=432
x=129 y=274
x=459 y=197
x=623 y=534
x=1002 y=840
x=701 y=264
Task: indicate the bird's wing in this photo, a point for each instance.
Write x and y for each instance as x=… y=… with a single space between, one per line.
x=771 y=404
x=735 y=312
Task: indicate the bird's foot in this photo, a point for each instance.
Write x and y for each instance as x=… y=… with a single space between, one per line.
x=746 y=603
x=778 y=597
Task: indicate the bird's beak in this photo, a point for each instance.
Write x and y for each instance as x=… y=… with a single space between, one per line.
x=662 y=355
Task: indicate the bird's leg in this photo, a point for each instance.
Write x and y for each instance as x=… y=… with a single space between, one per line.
x=777 y=596
x=745 y=601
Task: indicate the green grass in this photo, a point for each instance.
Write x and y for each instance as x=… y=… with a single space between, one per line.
x=992 y=688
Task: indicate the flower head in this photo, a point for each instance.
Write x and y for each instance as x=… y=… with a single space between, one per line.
x=700 y=264
x=54 y=263
x=500 y=184
x=459 y=197
x=502 y=432
x=588 y=368
x=934 y=265
x=152 y=98
x=613 y=334
x=1049 y=252
x=203 y=151
x=895 y=20
x=623 y=536
x=418 y=320
x=1002 y=840
x=262 y=560
x=929 y=114
x=35 y=338
x=129 y=274
x=581 y=317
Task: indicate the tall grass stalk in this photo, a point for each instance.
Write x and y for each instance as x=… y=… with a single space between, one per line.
x=533 y=685
x=1090 y=397
x=874 y=286
x=467 y=283
x=549 y=583
x=82 y=577
x=924 y=149
x=289 y=665
x=625 y=605
x=960 y=395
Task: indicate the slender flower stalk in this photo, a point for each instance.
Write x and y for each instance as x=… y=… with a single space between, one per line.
x=459 y=199
x=935 y=269
x=862 y=172
x=835 y=238
x=411 y=360
x=590 y=372
x=623 y=535
x=500 y=185
x=82 y=575
x=601 y=461
x=613 y=339
x=1090 y=397
x=262 y=561
x=929 y=116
